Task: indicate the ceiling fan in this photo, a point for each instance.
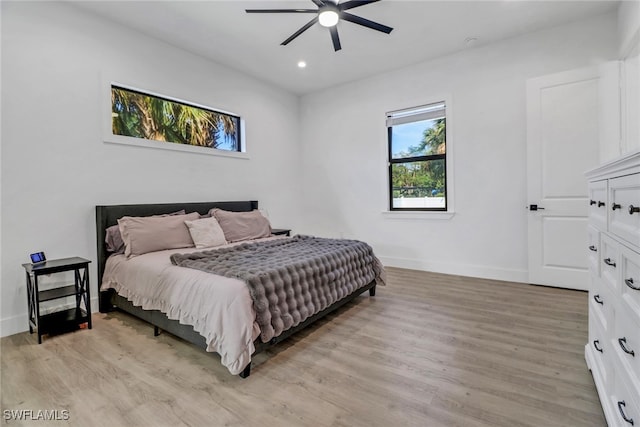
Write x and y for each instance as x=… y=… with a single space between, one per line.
x=328 y=14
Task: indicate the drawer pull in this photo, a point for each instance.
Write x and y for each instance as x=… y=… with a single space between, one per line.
x=609 y=262
x=633 y=209
x=600 y=204
x=629 y=283
x=621 y=406
x=595 y=344
x=593 y=248
x=598 y=299
x=592 y=202
x=615 y=206
x=623 y=342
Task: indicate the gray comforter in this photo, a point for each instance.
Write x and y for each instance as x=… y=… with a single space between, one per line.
x=291 y=279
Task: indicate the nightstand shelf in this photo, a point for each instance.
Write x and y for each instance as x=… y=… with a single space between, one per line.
x=56 y=293
x=63 y=320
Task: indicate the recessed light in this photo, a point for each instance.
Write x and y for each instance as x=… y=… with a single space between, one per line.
x=302 y=64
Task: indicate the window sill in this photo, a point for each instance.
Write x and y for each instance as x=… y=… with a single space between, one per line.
x=419 y=215
x=138 y=142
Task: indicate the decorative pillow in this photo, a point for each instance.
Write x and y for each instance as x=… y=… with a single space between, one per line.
x=150 y=234
x=206 y=232
x=239 y=226
x=113 y=238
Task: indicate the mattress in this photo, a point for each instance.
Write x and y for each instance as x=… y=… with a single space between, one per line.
x=219 y=308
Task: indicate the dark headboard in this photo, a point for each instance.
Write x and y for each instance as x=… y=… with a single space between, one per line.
x=106 y=216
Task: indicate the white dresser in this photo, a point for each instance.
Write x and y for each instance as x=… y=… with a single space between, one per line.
x=613 y=350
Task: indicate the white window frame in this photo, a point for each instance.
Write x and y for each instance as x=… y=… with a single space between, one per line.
x=110 y=137
x=449 y=159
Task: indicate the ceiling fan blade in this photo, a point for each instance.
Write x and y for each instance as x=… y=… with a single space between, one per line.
x=335 y=38
x=281 y=10
x=354 y=3
x=304 y=28
x=365 y=22
x=318 y=3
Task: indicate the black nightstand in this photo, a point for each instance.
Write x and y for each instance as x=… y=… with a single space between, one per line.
x=280 y=232
x=64 y=320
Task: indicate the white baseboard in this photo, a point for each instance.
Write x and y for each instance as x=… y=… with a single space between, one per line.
x=483 y=272
x=19 y=323
x=13 y=325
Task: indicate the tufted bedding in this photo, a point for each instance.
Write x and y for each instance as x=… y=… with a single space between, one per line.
x=290 y=280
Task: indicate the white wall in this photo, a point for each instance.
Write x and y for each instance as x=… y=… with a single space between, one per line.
x=56 y=167
x=629 y=53
x=628 y=25
x=344 y=151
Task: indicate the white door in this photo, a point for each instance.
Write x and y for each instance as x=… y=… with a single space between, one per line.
x=563 y=126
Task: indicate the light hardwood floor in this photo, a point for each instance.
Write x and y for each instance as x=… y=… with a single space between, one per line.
x=428 y=350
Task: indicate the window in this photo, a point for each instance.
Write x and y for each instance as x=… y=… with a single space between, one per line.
x=155 y=118
x=418 y=158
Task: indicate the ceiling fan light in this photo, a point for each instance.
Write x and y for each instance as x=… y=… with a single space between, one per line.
x=328 y=18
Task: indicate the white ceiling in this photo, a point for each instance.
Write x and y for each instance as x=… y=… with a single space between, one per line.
x=223 y=32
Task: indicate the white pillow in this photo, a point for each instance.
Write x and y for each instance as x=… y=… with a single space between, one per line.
x=206 y=232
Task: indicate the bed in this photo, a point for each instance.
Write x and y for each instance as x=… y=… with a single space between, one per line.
x=224 y=300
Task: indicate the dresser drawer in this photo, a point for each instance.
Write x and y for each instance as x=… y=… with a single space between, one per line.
x=624 y=402
x=600 y=349
x=610 y=263
x=598 y=204
x=626 y=341
x=630 y=282
x=593 y=250
x=601 y=305
x=624 y=212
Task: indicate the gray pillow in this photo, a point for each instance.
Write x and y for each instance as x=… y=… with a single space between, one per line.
x=238 y=226
x=150 y=234
x=113 y=238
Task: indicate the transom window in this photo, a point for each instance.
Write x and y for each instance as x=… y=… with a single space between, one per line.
x=417 y=158
x=151 y=117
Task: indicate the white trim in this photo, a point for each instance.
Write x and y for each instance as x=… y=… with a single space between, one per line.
x=14 y=325
x=418 y=215
x=109 y=137
x=145 y=143
x=417 y=114
x=20 y=323
x=483 y=272
x=624 y=165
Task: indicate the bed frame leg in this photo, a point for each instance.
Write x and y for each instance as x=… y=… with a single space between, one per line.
x=246 y=371
x=156 y=331
x=372 y=291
